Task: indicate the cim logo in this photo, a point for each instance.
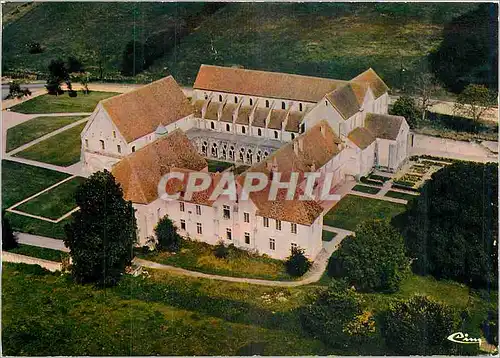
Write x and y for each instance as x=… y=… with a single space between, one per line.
x=463 y=338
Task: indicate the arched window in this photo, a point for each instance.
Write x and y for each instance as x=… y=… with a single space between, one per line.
x=231 y=152
x=228 y=128
x=102 y=144
x=214 y=150
x=267 y=103
x=300 y=107
x=133 y=148
x=249 y=156
x=276 y=134
x=212 y=125
x=220 y=98
x=243 y=130
x=251 y=101
x=283 y=106
x=259 y=132
x=326 y=103
x=292 y=135
x=235 y=99
x=204 y=147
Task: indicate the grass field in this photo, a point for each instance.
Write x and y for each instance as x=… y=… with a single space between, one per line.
x=54 y=203
x=62 y=103
x=175 y=315
x=400 y=195
x=20 y=181
x=199 y=256
x=37 y=227
x=217 y=165
x=40 y=252
x=328 y=235
x=352 y=210
x=366 y=189
x=35 y=128
x=63 y=149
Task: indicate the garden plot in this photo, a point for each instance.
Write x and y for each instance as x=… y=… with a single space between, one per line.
x=416 y=173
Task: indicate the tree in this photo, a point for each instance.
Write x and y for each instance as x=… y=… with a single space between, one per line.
x=166 y=235
x=57 y=75
x=419 y=326
x=469 y=50
x=74 y=65
x=34 y=48
x=425 y=87
x=451 y=228
x=334 y=314
x=9 y=239
x=373 y=260
x=15 y=90
x=405 y=106
x=297 y=264
x=473 y=101
x=132 y=58
x=103 y=232
x=83 y=79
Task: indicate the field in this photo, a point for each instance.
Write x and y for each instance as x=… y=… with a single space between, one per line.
x=40 y=252
x=173 y=315
x=35 y=128
x=62 y=103
x=352 y=210
x=199 y=256
x=63 y=149
x=53 y=203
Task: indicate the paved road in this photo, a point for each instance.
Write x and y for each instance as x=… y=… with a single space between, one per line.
x=41 y=241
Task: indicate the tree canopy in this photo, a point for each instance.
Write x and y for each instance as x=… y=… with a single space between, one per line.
x=405 y=106
x=297 y=264
x=166 y=235
x=372 y=260
x=451 y=229
x=469 y=50
x=103 y=232
x=473 y=101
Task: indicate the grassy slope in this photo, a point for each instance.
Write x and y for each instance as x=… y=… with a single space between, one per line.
x=35 y=128
x=40 y=252
x=63 y=149
x=333 y=40
x=63 y=103
x=37 y=227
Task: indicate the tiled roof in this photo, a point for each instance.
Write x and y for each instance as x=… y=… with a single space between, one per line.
x=139 y=112
x=174 y=186
x=139 y=173
x=243 y=115
x=259 y=117
x=293 y=123
x=318 y=147
x=376 y=84
x=383 y=126
x=212 y=109
x=277 y=117
x=227 y=112
x=362 y=137
x=264 y=84
x=344 y=99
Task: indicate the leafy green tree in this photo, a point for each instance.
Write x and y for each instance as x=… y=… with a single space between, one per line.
x=373 y=260
x=15 y=90
x=451 y=228
x=166 y=235
x=473 y=101
x=297 y=264
x=405 y=106
x=132 y=59
x=57 y=75
x=74 y=65
x=9 y=239
x=469 y=50
x=103 y=232
x=419 y=326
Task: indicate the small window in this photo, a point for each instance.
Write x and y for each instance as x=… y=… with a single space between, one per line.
x=278 y=224
x=133 y=148
x=102 y=144
x=272 y=244
x=259 y=132
x=220 y=98
x=246 y=217
x=293 y=245
x=228 y=128
x=86 y=143
x=247 y=238
x=235 y=99
x=326 y=103
x=300 y=107
x=229 y=235
x=119 y=148
x=283 y=105
x=114 y=134
x=292 y=135
x=266 y=222
x=226 y=212
x=302 y=128
x=198 y=228
x=267 y=103
x=183 y=224
x=198 y=210
x=181 y=206
x=293 y=228
x=206 y=95
x=212 y=125
x=251 y=101
x=243 y=129
x=276 y=134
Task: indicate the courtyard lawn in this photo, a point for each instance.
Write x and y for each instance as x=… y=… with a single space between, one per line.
x=352 y=210
x=366 y=189
x=34 y=226
x=40 y=252
x=20 y=181
x=199 y=256
x=53 y=203
x=217 y=165
x=63 y=149
x=35 y=128
x=62 y=103
x=400 y=195
x=328 y=235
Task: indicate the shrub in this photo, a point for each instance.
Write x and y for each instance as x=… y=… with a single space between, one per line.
x=166 y=235
x=373 y=260
x=405 y=106
x=221 y=251
x=9 y=239
x=297 y=264
x=419 y=326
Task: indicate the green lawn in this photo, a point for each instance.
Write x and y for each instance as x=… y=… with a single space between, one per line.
x=54 y=203
x=20 y=181
x=217 y=165
x=63 y=149
x=35 y=128
x=40 y=252
x=366 y=189
x=34 y=226
x=400 y=195
x=352 y=210
x=62 y=103
x=328 y=235
x=198 y=256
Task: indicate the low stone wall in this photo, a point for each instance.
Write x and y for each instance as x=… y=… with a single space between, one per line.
x=17 y=258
